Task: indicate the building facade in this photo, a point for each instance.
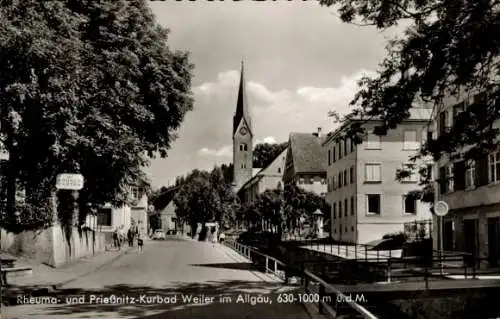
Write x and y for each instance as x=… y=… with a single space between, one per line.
x=366 y=199
x=269 y=177
x=472 y=191
x=304 y=163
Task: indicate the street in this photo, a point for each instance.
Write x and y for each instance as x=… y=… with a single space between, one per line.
x=170 y=279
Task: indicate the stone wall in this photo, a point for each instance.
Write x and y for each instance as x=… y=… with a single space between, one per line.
x=49 y=246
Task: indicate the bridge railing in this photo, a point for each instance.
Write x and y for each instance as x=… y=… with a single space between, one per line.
x=330 y=301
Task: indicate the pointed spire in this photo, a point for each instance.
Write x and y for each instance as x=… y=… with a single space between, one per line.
x=242 y=111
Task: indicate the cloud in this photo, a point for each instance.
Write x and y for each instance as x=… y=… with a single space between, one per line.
x=224 y=151
x=207 y=130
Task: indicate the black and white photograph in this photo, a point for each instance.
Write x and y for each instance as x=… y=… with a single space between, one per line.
x=288 y=159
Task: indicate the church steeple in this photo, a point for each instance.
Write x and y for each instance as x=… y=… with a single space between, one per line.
x=242 y=137
x=242 y=111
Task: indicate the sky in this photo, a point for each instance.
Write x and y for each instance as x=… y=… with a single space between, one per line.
x=301 y=61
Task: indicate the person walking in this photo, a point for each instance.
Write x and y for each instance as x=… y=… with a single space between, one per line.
x=116 y=238
x=141 y=234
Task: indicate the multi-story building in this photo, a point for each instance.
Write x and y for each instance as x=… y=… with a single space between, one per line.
x=366 y=199
x=472 y=191
x=305 y=165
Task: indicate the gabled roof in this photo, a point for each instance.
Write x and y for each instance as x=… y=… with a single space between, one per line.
x=242 y=111
x=307 y=152
x=165 y=198
x=260 y=172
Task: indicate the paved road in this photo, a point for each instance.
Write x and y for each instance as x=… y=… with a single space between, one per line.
x=179 y=268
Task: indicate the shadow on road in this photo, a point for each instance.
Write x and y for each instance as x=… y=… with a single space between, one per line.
x=226 y=299
x=236 y=266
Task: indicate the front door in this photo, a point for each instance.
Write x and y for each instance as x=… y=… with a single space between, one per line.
x=448 y=236
x=493 y=241
x=470 y=238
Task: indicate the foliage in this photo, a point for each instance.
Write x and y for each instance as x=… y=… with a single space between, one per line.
x=206 y=197
x=91 y=88
x=265 y=153
x=449 y=52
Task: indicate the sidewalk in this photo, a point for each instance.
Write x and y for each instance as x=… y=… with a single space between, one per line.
x=44 y=275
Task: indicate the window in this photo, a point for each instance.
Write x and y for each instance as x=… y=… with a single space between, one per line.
x=329 y=157
x=409 y=204
x=104 y=217
x=443 y=123
x=346 y=207
x=346 y=229
x=372 y=173
x=243 y=147
x=470 y=174
x=373 y=142
x=279 y=169
x=348 y=145
x=494 y=164
x=340 y=180
x=373 y=204
x=457 y=109
x=333 y=183
x=136 y=193
x=243 y=165
x=413 y=178
x=334 y=210
x=445 y=179
x=353 y=209
x=345 y=147
x=351 y=174
x=428 y=171
x=353 y=146
x=334 y=156
x=346 y=181
x=340 y=209
x=339 y=147
x=352 y=229
x=410 y=141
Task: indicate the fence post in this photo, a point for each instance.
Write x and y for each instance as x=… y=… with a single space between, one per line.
x=338 y=249
x=378 y=256
x=426 y=277
x=346 y=251
x=356 y=251
x=389 y=270
x=267 y=264
x=275 y=267
x=366 y=254
x=465 y=266
x=321 y=294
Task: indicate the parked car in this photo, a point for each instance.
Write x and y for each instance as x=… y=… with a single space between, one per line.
x=159 y=235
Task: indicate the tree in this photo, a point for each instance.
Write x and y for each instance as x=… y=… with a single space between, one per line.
x=265 y=153
x=449 y=51
x=206 y=197
x=301 y=203
x=94 y=89
x=270 y=204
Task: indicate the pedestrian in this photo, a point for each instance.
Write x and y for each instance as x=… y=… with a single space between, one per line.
x=214 y=238
x=222 y=237
x=140 y=236
x=130 y=237
x=116 y=238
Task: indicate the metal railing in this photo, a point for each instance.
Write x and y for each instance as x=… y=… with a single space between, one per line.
x=330 y=301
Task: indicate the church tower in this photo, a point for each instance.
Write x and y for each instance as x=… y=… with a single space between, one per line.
x=242 y=137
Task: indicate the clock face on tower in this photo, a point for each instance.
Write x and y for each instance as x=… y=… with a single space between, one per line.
x=243 y=131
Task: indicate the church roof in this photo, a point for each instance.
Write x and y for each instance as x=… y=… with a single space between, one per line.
x=261 y=172
x=307 y=152
x=242 y=111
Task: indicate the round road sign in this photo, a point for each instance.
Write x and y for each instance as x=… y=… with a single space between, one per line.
x=441 y=208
